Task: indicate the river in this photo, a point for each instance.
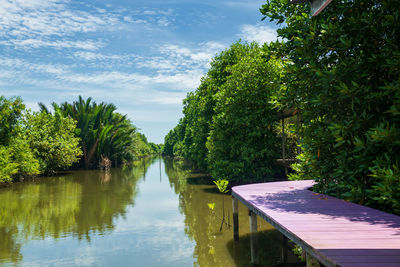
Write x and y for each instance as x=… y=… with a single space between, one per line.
x=154 y=213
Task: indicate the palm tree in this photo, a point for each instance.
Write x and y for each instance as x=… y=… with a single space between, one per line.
x=103 y=132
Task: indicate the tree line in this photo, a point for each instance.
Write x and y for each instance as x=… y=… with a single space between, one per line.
x=231 y=125
x=339 y=70
x=71 y=135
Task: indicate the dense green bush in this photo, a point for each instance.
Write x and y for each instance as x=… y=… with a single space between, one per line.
x=8 y=168
x=243 y=143
x=199 y=106
x=229 y=121
x=34 y=143
x=17 y=160
x=10 y=114
x=345 y=79
x=16 y=156
x=52 y=140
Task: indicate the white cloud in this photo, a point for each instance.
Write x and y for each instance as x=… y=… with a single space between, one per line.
x=98 y=56
x=56 y=44
x=15 y=64
x=168 y=98
x=49 y=18
x=149 y=12
x=184 y=58
x=130 y=19
x=163 y=79
x=50 y=23
x=259 y=33
x=110 y=79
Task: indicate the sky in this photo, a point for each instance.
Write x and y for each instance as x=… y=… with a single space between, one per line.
x=143 y=56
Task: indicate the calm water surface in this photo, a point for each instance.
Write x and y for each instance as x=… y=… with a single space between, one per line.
x=152 y=214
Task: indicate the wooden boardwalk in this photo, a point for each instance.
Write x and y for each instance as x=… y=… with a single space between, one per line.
x=333 y=231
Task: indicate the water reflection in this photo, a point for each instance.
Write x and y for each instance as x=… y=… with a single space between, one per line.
x=154 y=213
x=78 y=205
x=215 y=247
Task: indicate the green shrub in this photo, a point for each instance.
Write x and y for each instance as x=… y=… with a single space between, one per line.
x=345 y=79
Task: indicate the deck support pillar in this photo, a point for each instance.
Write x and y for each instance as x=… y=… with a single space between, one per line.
x=235 y=219
x=253 y=238
x=284 y=254
x=311 y=261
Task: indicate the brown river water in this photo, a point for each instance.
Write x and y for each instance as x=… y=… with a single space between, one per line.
x=154 y=213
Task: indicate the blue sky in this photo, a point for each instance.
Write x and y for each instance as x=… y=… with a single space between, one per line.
x=142 y=56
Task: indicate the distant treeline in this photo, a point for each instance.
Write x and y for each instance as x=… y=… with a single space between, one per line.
x=80 y=134
x=339 y=70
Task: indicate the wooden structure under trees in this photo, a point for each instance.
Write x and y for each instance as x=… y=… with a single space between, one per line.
x=330 y=231
x=316 y=5
x=285 y=161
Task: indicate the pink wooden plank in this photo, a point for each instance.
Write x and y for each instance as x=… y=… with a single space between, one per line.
x=373 y=258
x=341 y=232
x=369 y=264
x=367 y=252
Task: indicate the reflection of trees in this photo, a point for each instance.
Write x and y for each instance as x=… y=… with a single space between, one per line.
x=215 y=248
x=177 y=171
x=80 y=204
x=9 y=248
x=201 y=226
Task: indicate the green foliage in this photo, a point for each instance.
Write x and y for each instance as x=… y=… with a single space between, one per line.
x=242 y=141
x=174 y=141
x=145 y=148
x=16 y=156
x=23 y=156
x=228 y=123
x=344 y=77
x=222 y=185
x=10 y=113
x=52 y=140
x=298 y=251
x=385 y=193
x=199 y=107
x=211 y=206
x=8 y=168
x=156 y=149
x=43 y=143
x=103 y=132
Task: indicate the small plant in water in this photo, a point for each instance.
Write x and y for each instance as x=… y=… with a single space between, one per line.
x=222 y=185
x=298 y=251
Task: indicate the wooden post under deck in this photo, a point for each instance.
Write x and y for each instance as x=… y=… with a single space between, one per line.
x=325 y=223
x=235 y=219
x=283 y=145
x=253 y=238
x=284 y=249
x=311 y=261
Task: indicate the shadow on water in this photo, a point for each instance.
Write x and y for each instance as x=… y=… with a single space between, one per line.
x=215 y=245
x=199 y=179
x=270 y=244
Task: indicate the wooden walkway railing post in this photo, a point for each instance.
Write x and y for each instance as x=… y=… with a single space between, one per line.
x=235 y=219
x=253 y=238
